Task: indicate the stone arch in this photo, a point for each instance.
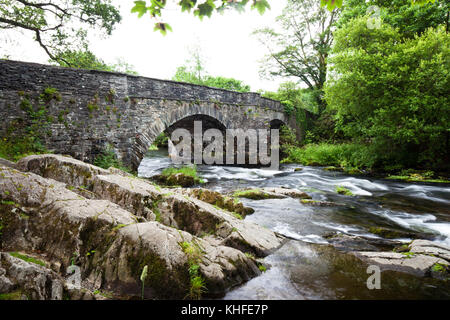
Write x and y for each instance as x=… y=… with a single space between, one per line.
x=145 y=136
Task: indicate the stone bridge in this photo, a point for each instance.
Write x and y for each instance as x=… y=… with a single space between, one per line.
x=86 y=111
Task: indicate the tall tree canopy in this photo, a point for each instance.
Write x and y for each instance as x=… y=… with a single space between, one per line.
x=409 y=19
x=300 y=49
x=58 y=25
x=194 y=72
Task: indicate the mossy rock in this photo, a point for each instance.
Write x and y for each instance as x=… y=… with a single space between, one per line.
x=256 y=194
x=332 y=168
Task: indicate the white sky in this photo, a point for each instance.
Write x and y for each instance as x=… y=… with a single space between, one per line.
x=225 y=42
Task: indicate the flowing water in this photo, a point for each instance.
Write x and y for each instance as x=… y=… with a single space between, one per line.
x=308 y=268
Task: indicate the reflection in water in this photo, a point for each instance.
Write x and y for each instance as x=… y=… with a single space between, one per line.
x=310 y=269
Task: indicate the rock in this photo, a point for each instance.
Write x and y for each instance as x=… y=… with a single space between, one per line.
x=430 y=248
x=270 y=193
x=171 y=207
x=298 y=169
x=159 y=248
x=310 y=202
x=332 y=168
x=292 y=193
x=388 y=233
x=112 y=235
x=27 y=280
x=219 y=200
x=348 y=243
x=7 y=163
x=68 y=170
x=416 y=264
x=178 y=179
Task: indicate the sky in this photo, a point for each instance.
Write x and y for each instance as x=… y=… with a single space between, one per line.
x=224 y=41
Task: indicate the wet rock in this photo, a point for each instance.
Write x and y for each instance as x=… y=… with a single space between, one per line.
x=292 y=193
x=419 y=265
x=388 y=233
x=349 y=243
x=270 y=193
x=332 y=168
x=318 y=203
x=430 y=248
x=178 y=179
x=298 y=169
x=424 y=258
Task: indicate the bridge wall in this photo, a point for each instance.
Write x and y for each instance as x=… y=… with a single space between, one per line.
x=93 y=109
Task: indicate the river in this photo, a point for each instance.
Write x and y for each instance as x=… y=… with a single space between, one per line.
x=306 y=267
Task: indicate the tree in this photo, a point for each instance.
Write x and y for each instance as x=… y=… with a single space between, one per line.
x=85 y=59
x=410 y=20
x=391 y=92
x=194 y=72
x=58 y=25
x=301 y=49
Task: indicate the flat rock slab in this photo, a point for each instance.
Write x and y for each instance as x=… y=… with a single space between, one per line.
x=291 y=193
x=417 y=264
x=270 y=193
x=430 y=248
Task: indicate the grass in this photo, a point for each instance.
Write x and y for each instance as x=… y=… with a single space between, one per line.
x=194 y=255
x=16 y=295
x=190 y=171
x=347 y=155
x=411 y=175
x=437 y=267
x=27 y=258
x=344 y=191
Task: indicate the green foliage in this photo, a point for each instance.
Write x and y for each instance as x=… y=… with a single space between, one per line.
x=184 y=74
x=410 y=20
x=343 y=190
x=194 y=255
x=324 y=154
x=262 y=268
x=27 y=258
x=186 y=170
x=108 y=158
x=24 y=136
x=392 y=92
x=300 y=49
x=199 y=9
x=143 y=277
x=59 y=25
x=85 y=59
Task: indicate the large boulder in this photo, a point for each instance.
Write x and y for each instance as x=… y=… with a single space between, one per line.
x=176 y=208
x=113 y=236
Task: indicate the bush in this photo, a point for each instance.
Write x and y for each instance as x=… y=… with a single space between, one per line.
x=343 y=155
x=108 y=159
